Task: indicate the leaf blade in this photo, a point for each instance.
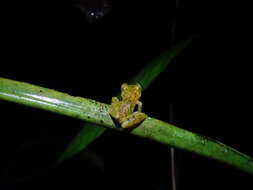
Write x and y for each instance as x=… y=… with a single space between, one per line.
x=87 y=134
x=95 y=112
x=156 y=66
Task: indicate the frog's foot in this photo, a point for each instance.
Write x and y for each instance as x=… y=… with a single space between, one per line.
x=133 y=119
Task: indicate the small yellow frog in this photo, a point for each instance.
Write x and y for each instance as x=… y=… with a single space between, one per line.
x=123 y=111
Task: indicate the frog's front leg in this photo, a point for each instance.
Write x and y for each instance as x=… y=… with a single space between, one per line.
x=115 y=100
x=139 y=106
x=114 y=108
x=133 y=119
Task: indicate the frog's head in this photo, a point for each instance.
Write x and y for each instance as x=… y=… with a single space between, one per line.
x=130 y=93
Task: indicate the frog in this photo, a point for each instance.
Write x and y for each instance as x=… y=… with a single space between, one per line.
x=124 y=111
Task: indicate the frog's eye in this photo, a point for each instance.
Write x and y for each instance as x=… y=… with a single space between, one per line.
x=137 y=86
x=124 y=86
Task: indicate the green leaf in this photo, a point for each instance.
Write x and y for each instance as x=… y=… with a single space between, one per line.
x=97 y=113
x=149 y=72
x=144 y=78
x=83 y=139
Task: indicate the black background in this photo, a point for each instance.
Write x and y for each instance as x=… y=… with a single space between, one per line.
x=51 y=44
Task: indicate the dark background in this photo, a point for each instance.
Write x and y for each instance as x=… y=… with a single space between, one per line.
x=54 y=44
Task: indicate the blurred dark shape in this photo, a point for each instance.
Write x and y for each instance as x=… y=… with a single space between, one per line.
x=93 y=9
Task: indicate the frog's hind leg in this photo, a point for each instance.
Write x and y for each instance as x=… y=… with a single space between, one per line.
x=133 y=119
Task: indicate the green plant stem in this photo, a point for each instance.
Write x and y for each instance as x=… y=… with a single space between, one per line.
x=96 y=112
